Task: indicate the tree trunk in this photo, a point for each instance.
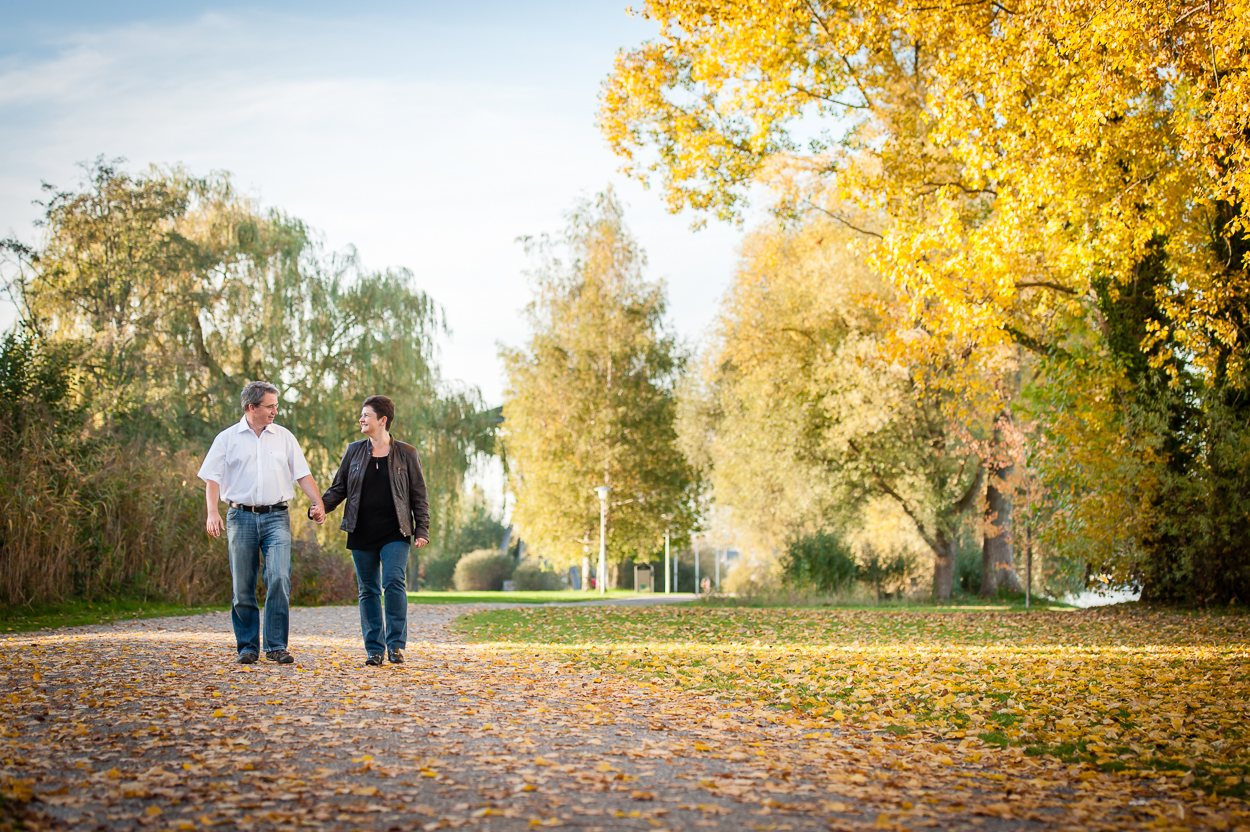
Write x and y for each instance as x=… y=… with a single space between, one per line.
x=998 y=567
x=943 y=566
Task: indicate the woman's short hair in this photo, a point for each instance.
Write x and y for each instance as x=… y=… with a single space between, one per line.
x=254 y=392
x=383 y=408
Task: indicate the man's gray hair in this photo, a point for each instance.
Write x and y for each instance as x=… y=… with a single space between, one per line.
x=254 y=392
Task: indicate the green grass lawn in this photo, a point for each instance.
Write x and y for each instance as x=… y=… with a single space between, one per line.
x=808 y=600
x=21 y=619
x=77 y=613
x=559 y=595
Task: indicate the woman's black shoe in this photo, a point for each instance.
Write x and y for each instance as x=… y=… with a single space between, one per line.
x=375 y=660
x=396 y=656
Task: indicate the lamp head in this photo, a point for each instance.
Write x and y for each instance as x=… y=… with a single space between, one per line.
x=602 y=491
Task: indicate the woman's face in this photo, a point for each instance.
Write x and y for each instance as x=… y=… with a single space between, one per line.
x=369 y=420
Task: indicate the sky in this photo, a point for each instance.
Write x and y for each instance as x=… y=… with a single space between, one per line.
x=429 y=136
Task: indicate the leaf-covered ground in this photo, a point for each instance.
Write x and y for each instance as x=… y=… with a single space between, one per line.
x=150 y=725
x=1146 y=694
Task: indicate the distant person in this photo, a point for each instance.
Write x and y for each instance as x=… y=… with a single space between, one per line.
x=252 y=466
x=386 y=508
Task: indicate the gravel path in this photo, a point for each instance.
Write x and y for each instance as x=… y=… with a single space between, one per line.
x=150 y=724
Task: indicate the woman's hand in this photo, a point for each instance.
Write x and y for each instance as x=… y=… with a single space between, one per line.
x=419 y=542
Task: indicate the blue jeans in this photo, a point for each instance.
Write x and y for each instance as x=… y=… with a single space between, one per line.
x=376 y=570
x=251 y=537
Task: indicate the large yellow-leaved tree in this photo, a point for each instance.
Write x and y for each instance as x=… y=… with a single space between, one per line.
x=1067 y=177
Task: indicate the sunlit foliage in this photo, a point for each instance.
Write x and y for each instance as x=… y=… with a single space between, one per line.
x=1067 y=177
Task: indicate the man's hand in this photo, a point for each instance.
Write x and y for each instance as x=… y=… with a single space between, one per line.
x=212 y=493
x=214 y=524
x=420 y=542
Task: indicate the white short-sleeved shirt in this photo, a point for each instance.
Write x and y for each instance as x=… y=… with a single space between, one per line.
x=255 y=470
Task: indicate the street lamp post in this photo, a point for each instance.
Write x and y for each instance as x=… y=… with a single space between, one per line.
x=602 y=491
x=667 y=572
x=696 y=563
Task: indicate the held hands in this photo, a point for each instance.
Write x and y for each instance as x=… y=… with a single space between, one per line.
x=317 y=513
x=214 y=524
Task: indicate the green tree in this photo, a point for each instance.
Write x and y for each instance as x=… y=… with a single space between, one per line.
x=808 y=421
x=479 y=528
x=590 y=399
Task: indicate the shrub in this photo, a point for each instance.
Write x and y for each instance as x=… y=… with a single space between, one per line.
x=968 y=566
x=822 y=560
x=483 y=570
x=437 y=569
x=321 y=575
x=885 y=571
x=531 y=576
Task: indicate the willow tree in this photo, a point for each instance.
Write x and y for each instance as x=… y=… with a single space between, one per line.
x=172 y=291
x=590 y=399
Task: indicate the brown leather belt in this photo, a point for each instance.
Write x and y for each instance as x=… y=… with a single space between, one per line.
x=260 y=509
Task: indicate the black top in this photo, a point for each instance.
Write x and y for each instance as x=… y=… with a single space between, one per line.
x=377 y=524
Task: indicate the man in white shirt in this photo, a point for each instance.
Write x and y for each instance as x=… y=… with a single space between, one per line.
x=252 y=466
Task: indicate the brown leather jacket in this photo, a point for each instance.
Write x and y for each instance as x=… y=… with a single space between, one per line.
x=407 y=487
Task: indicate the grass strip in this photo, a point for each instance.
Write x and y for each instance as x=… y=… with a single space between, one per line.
x=22 y=619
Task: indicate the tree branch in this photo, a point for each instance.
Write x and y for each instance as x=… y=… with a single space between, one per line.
x=965 y=502
x=1045 y=284
x=1033 y=345
x=960 y=186
x=834 y=216
x=890 y=492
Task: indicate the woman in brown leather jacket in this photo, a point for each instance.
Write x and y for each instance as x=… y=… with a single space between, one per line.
x=386 y=511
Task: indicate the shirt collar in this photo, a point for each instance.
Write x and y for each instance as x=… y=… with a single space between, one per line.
x=244 y=426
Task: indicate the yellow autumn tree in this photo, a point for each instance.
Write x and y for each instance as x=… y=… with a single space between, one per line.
x=1020 y=152
x=1045 y=173
x=810 y=425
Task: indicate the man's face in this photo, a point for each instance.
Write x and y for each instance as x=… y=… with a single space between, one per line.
x=263 y=414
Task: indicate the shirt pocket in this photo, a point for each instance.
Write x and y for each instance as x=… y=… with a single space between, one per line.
x=278 y=462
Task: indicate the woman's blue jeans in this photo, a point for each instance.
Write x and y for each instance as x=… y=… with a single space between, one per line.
x=378 y=571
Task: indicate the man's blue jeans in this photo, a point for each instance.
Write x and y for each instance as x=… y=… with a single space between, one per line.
x=378 y=570
x=251 y=537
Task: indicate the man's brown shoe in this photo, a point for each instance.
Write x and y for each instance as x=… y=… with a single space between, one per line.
x=396 y=656
x=280 y=656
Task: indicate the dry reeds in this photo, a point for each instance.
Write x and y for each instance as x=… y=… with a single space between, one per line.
x=102 y=519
